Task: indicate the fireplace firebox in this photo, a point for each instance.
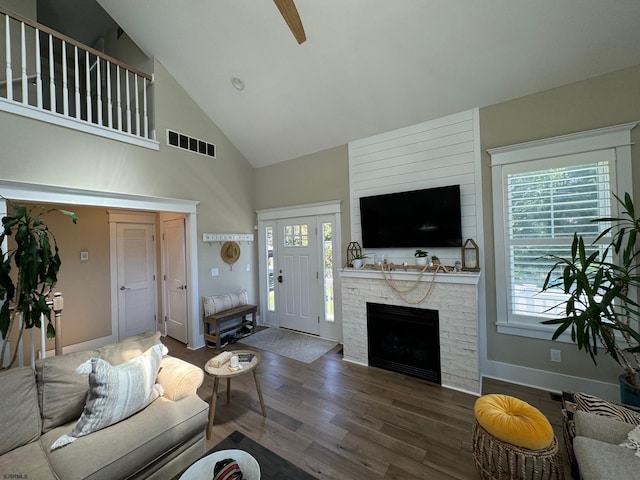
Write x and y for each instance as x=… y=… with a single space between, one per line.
x=404 y=340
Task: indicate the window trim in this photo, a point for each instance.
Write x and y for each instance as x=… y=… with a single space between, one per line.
x=616 y=138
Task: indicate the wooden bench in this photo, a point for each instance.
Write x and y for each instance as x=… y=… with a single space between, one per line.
x=217 y=318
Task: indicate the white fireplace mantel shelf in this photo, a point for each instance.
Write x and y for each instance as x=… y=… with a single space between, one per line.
x=464 y=278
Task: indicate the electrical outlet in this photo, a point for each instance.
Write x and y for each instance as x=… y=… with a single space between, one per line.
x=556 y=355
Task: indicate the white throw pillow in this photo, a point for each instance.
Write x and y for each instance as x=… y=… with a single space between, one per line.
x=633 y=440
x=116 y=392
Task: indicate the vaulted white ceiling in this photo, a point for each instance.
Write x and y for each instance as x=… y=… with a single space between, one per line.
x=371 y=66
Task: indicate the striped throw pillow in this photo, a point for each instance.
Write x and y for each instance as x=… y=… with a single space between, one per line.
x=116 y=392
x=593 y=404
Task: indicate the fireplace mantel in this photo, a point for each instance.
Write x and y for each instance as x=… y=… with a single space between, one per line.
x=466 y=278
x=453 y=295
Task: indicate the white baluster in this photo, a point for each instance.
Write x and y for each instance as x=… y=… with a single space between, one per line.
x=146 y=116
x=38 y=70
x=76 y=79
x=23 y=58
x=119 y=97
x=88 y=95
x=8 y=51
x=43 y=338
x=126 y=72
x=52 y=80
x=135 y=84
x=98 y=91
x=109 y=99
x=65 y=87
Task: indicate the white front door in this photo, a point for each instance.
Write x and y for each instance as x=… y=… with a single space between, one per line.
x=175 y=278
x=136 y=278
x=296 y=274
x=299 y=259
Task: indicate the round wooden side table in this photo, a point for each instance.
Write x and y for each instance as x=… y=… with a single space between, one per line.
x=226 y=372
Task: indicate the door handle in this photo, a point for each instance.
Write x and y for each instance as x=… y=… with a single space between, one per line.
x=280 y=277
x=124 y=288
x=182 y=287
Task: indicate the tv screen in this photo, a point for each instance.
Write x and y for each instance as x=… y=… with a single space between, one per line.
x=418 y=218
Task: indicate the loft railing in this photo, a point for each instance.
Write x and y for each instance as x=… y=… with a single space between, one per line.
x=33 y=343
x=54 y=78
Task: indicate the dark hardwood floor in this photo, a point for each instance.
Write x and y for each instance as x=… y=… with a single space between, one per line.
x=338 y=420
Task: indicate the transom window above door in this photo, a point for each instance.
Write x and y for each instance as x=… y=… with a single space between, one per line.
x=296 y=235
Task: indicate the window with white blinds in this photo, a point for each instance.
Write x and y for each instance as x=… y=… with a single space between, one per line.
x=545 y=208
x=543 y=193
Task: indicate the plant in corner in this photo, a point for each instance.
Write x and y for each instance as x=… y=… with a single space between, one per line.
x=600 y=286
x=36 y=259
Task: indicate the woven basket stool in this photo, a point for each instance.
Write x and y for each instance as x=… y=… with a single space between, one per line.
x=498 y=459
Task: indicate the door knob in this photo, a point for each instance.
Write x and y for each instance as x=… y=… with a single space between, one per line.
x=124 y=288
x=280 y=277
x=182 y=287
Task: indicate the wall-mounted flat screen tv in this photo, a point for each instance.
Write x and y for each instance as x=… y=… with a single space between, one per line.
x=413 y=219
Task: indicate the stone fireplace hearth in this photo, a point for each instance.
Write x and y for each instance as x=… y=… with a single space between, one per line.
x=453 y=295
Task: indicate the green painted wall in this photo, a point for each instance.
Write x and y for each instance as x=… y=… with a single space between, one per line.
x=602 y=101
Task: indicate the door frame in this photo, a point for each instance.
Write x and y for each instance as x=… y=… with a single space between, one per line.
x=331 y=208
x=33 y=192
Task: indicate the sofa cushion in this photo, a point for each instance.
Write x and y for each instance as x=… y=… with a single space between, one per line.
x=599 y=460
x=19 y=412
x=28 y=461
x=62 y=392
x=598 y=427
x=116 y=392
x=129 y=348
x=121 y=450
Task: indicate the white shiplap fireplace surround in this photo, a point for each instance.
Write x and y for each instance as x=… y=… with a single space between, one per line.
x=453 y=295
x=440 y=152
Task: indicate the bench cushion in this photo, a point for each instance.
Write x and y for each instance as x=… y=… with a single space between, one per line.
x=219 y=303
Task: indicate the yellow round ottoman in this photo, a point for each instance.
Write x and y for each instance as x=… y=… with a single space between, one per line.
x=514 y=440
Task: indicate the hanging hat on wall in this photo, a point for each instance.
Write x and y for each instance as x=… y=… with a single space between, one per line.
x=230 y=252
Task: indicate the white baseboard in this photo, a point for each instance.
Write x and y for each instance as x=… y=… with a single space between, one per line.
x=350 y=360
x=551 y=381
x=458 y=389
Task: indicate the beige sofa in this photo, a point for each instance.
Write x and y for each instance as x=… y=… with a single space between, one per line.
x=593 y=430
x=37 y=407
x=598 y=451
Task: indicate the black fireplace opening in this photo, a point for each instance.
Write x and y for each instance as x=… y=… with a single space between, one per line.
x=404 y=340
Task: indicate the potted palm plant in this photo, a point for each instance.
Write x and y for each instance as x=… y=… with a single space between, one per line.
x=35 y=256
x=600 y=309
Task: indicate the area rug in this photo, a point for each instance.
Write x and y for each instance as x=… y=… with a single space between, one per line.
x=272 y=466
x=305 y=348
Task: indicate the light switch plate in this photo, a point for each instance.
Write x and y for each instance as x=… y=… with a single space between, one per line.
x=84 y=256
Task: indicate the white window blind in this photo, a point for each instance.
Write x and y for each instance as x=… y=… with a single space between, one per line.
x=546 y=207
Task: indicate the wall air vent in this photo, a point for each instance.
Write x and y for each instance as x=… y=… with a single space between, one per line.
x=185 y=142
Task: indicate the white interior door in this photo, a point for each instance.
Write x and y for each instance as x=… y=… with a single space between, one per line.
x=136 y=278
x=296 y=275
x=175 y=281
